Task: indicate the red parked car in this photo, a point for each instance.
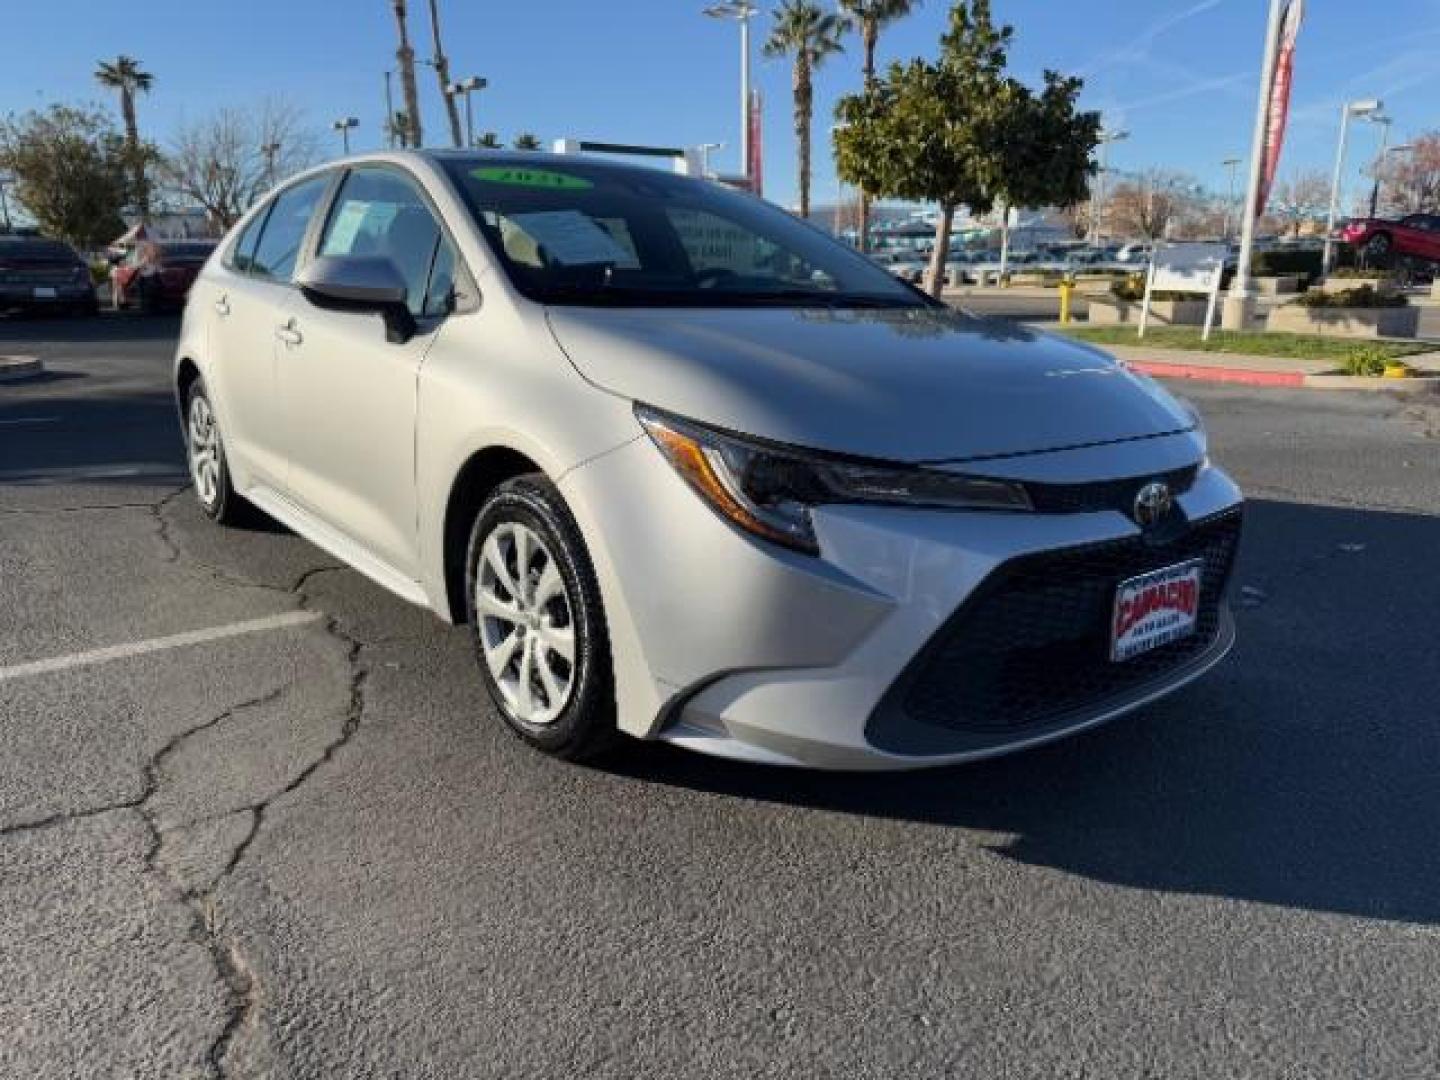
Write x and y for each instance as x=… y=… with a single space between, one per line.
x=1416 y=236
x=157 y=274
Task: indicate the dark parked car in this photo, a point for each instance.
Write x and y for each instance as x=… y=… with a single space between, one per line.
x=1416 y=236
x=44 y=275
x=157 y=274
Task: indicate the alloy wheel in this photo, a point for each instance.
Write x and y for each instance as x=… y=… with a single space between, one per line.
x=527 y=627
x=204 y=444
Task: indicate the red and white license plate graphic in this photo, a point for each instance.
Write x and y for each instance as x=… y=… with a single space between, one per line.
x=1155 y=609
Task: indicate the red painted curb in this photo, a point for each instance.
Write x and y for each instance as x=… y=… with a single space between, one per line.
x=1205 y=373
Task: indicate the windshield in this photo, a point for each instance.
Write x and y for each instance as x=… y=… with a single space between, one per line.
x=571 y=232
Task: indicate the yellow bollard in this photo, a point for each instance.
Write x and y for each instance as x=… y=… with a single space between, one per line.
x=1067 y=290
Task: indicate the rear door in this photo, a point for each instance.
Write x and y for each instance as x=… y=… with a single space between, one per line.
x=247 y=298
x=350 y=394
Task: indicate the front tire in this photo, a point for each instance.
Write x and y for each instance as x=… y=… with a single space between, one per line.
x=1378 y=247
x=205 y=454
x=537 y=623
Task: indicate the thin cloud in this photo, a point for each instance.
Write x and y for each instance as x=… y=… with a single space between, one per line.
x=1139 y=47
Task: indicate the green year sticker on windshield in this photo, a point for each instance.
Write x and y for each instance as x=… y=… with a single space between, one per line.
x=533 y=178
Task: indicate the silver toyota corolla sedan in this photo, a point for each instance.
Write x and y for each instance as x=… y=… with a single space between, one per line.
x=691 y=470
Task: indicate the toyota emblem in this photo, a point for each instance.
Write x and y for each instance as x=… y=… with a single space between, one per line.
x=1152 y=503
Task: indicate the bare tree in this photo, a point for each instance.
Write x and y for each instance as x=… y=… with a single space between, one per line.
x=1301 y=197
x=1150 y=205
x=1410 y=182
x=219 y=162
x=442 y=73
x=405 y=58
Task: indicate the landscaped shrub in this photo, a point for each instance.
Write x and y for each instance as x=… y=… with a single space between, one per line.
x=1350 y=273
x=1363 y=297
x=1366 y=360
x=1305 y=262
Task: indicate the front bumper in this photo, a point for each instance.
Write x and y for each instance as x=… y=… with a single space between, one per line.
x=763 y=655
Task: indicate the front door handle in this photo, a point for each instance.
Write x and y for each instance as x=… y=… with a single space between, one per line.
x=288 y=334
x=222 y=306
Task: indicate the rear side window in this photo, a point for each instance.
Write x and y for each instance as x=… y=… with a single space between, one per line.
x=242 y=255
x=284 y=230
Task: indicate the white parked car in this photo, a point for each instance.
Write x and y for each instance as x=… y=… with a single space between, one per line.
x=691 y=470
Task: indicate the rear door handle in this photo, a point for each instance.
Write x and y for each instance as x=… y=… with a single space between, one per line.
x=222 y=306
x=289 y=335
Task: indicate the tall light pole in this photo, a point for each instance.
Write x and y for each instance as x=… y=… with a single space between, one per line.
x=4 y=205
x=1369 y=107
x=468 y=87
x=1097 y=201
x=344 y=125
x=742 y=11
x=1233 y=164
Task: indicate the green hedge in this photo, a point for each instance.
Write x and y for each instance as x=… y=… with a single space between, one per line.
x=1306 y=262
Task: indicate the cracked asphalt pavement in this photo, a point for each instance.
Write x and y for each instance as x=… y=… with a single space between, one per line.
x=305 y=848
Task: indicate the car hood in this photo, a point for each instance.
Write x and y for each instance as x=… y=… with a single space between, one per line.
x=909 y=385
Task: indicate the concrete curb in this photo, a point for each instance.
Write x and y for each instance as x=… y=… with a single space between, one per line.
x=1422 y=384
x=15 y=368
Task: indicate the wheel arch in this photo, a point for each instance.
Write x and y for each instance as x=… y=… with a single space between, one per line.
x=187 y=373
x=483 y=471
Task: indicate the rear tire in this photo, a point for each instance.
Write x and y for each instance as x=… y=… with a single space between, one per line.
x=205 y=454
x=537 y=623
x=1378 y=247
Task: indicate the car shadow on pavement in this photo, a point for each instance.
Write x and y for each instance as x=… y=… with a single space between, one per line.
x=53 y=438
x=1304 y=772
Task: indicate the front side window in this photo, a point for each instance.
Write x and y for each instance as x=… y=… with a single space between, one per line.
x=579 y=233
x=284 y=230
x=379 y=212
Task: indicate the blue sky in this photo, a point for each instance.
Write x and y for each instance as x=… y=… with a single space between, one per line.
x=1180 y=75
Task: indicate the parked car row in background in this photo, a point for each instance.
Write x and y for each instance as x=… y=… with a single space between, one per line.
x=44 y=276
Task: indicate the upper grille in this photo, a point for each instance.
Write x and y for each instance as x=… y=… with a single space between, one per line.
x=1105 y=494
x=1031 y=648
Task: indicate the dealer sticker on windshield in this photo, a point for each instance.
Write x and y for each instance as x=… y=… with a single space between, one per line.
x=1155 y=609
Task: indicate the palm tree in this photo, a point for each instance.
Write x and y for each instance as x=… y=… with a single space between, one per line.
x=873 y=16
x=125 y=75
x=527 y=141
x=442 y=72
x=808 y=35
x=405 y=58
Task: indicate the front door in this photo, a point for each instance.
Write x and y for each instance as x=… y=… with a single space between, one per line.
x=350 y=395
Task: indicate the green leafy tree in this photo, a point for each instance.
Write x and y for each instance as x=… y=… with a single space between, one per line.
x=808 y=35
x=527 y=141
x=127 y=78
x=959 y=132
x=71 y=171
x=489 y=141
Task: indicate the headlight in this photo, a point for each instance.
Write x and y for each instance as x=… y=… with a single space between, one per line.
x=769 y=490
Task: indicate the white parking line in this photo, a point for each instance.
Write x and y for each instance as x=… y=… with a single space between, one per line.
x=160 y=644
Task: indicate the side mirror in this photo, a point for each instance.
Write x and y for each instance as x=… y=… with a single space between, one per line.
x=361 y=283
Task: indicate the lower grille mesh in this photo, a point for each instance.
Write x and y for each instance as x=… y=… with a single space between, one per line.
x=1032 y=645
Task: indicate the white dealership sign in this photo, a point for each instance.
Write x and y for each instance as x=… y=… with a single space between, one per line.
x=1193 y=268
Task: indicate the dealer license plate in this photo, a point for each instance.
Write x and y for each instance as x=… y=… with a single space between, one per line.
x=44 y=293
x=1155 y=609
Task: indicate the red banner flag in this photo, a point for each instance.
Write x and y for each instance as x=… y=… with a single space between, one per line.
x=1279 y=112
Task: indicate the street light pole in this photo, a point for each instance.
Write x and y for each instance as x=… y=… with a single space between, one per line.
x=1232 y=164
x=1349 y=109
x=742 y=11
x=468 y=87
x=1097 y=201
x=344 y=126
